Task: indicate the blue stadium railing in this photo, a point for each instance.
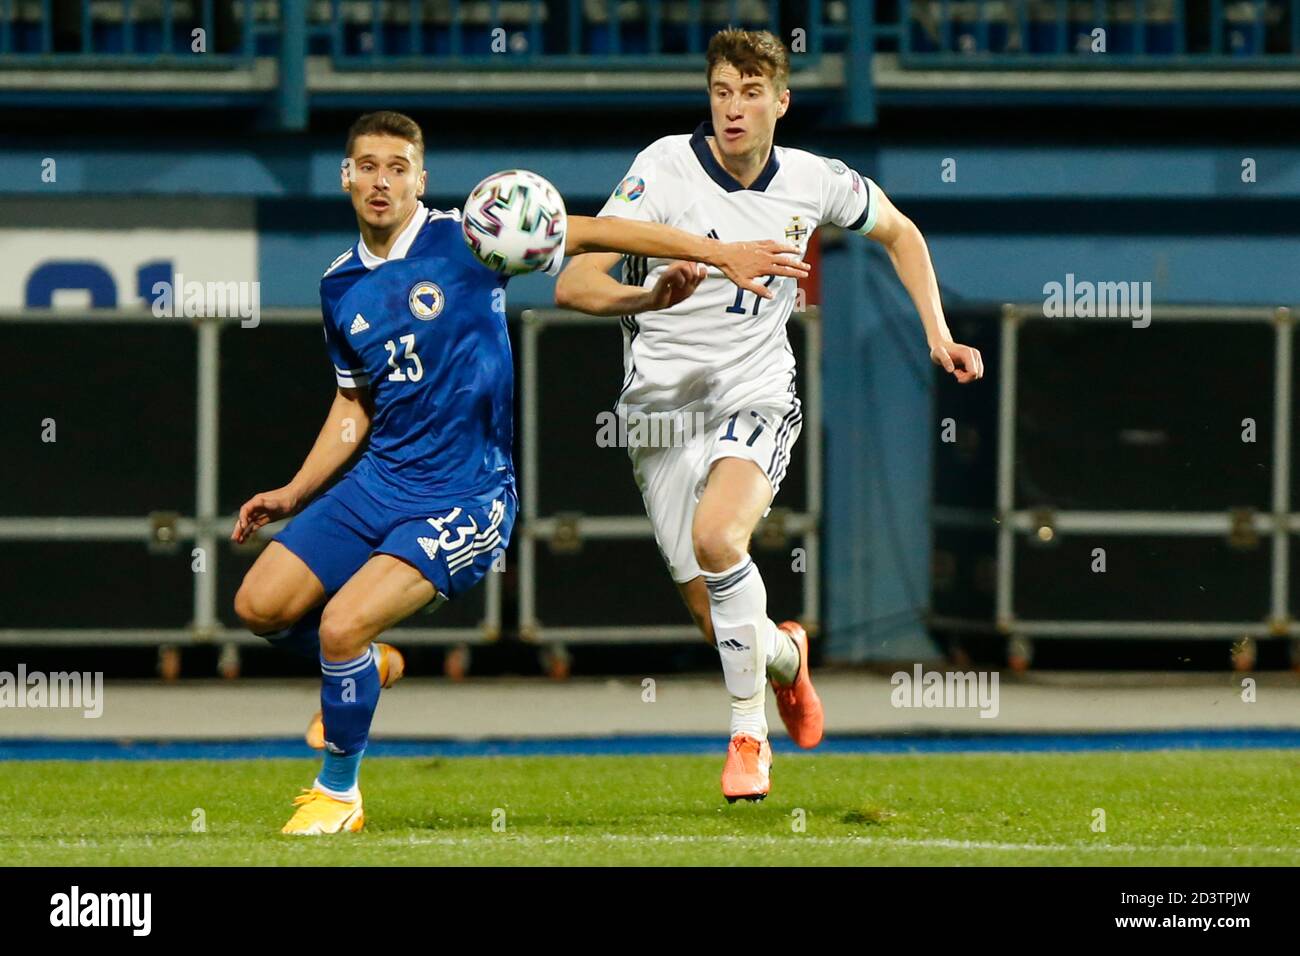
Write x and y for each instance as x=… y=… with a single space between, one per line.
x=590 y=33
x=644 y=33
x=577 y=33
x=530 y=37
x=144 y=33
x=1150 y=34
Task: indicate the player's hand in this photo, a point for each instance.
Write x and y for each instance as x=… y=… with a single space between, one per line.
x=745 y=263
x=262 y=509
x=676 y=283
x=961 y=361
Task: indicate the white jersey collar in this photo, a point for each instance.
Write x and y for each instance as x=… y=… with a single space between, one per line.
x=403 y=244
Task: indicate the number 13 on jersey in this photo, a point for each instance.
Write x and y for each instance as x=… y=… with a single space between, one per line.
x=413 y=373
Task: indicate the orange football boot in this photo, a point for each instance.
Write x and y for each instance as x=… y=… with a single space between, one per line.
x=392 y=665
x=318 y=813
x=747 y=772
x=800 y=707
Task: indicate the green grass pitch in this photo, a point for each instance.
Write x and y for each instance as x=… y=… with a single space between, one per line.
x=1204 y=808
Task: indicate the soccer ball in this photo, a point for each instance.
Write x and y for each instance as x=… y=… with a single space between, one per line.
x=514 y=222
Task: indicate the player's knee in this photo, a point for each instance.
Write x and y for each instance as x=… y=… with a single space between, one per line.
x=258 y=614
x=717 y=547
x=342 y=635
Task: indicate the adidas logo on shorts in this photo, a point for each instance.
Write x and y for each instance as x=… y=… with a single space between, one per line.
x=358 y=325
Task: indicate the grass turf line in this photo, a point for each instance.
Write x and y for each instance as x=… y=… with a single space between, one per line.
x=1200 y=808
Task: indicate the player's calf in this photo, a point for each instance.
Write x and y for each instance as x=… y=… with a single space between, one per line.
x=696 y=596
x=383 y=592
x=743 y=636
x=349 y=695
x=392 y=666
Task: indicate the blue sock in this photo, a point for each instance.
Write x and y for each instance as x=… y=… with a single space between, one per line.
x=301 y=638
x=349 y=694
x=339 y=774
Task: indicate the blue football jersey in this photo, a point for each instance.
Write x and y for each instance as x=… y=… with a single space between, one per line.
x=425 y=331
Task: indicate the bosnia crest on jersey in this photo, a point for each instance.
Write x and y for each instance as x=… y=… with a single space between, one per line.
x=426 y=301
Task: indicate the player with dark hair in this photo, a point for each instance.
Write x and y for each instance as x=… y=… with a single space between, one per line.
x=416 y=330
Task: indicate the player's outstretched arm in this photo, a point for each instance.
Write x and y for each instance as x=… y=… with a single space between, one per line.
x=346 y=425
x=585 y=285
x=911 y=257
x=744 y=263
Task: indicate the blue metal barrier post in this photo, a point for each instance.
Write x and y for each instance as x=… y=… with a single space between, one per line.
x=292 y=89
x=859 y=84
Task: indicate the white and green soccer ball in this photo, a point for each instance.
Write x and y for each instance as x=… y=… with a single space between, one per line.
x=514 y=222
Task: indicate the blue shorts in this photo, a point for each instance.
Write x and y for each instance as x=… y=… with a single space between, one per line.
x=452 y=545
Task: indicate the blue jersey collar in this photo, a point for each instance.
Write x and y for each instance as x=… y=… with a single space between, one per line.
x=718 y=174
x=403 y=244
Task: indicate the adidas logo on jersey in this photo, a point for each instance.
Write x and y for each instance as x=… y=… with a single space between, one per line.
x=358 y=325
x=732 y=644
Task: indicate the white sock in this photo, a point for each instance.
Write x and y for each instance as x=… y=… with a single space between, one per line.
x=349 y=796
x=749 y=714
x=783 y=663
x=744 y=636
x=739 y=591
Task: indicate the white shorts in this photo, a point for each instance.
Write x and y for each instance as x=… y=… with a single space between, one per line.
x=672 y=478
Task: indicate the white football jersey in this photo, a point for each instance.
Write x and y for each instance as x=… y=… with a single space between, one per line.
x=722 y=350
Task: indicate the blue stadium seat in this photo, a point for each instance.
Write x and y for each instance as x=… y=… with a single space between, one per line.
x=434 y=26
x=107 y=37
x=1035 y=28
x=675 y=25
x=1119 y=20
x=109 y=27
x=27 y=38
x=1044 y=31
x=1243 y=28
x=965 y=34
x=633 y=38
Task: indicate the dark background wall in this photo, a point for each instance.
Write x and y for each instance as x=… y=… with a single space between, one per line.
x=1106 y=195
